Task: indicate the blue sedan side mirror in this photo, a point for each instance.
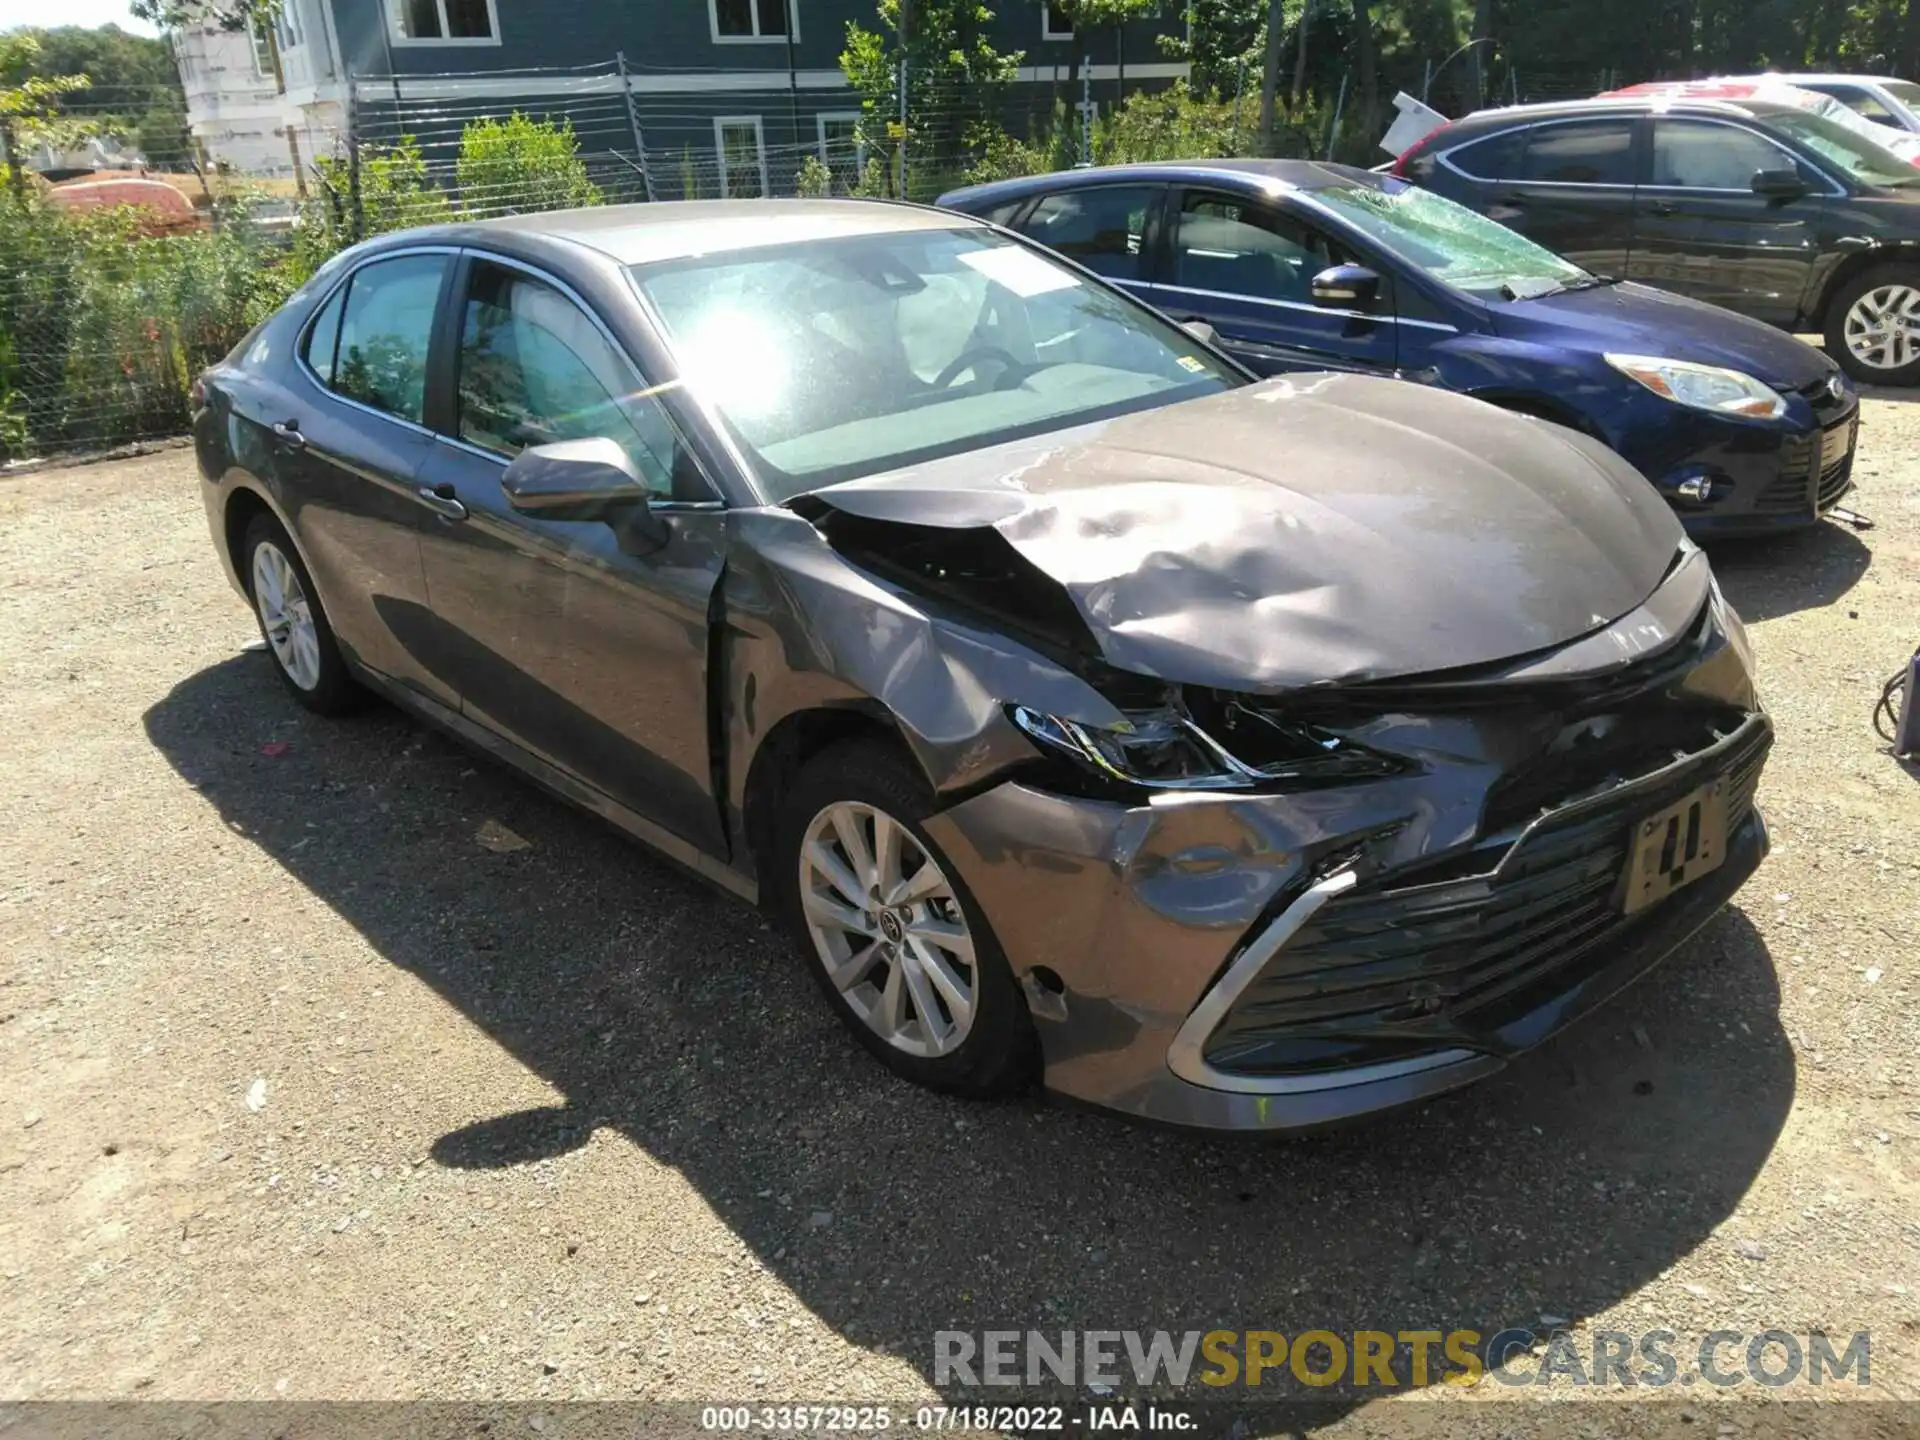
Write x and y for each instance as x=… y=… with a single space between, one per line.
x=1346 y=285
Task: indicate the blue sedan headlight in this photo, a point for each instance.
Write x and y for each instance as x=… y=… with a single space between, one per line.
x=1703 y=387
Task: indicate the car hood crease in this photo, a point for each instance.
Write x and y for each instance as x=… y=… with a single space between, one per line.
x=1308 y=530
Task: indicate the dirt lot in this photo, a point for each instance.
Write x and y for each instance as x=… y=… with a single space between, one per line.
x=310 y=1086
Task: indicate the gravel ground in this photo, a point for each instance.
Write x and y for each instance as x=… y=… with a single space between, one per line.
x=358 y=1068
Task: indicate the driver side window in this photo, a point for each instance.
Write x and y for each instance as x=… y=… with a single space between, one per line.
x=534 y=369
x=1700 y=155
x=1236 y=248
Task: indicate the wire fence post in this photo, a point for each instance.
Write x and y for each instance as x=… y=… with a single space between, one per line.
x=1086 y=110
x=902 y=149
x=1333 y=125
x=633 y=124
x=356 y=218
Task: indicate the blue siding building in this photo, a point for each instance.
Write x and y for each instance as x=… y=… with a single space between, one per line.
x=704 y=96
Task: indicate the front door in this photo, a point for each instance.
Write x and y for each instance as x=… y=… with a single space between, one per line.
x=590 y=657
x=1246 y=268
x=1573 y=190
x=1701 y=231
x=348 y=443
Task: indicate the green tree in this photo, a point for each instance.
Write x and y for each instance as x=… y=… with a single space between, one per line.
x=518 y=165
x=30 y=102
x=949 y=57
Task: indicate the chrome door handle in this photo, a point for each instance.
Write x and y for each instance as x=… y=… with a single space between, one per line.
x=287 y=432
x=440 y=499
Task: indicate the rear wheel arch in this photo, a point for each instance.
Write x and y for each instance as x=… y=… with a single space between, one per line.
x=1894 y=252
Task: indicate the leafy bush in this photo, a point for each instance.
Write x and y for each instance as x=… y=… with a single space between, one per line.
x=1173 y=124
x=814 y=178
x=518 y=165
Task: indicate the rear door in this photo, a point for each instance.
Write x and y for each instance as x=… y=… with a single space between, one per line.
x=349 y=442
x=587 y=655
x=1246 y=267
x=1701 y=231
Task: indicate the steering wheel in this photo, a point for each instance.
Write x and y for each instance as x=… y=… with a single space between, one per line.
x=967 y=359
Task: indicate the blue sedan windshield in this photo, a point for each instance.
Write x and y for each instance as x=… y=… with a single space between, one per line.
x=1453 y=244
x=830 y=359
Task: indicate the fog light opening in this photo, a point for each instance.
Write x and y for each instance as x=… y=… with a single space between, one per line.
x=1698 y=490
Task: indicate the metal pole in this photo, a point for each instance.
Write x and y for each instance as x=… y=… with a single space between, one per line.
x=1333 y=126
x=1239 y=93
x=903 y=125
x=633 y=124
x=1426 y=81
x=1086 y=110
x=356 y=218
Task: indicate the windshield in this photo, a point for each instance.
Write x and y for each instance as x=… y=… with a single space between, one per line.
x=836 y=358
x=1865 y=160
x=1450 y=242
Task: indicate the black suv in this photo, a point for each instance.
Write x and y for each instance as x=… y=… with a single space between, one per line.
x=1763 y=208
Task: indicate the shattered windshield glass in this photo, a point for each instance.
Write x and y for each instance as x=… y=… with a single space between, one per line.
x=1450 y=242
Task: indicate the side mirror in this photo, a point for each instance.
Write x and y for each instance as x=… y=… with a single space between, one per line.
x=1779 y=184
x=1201 y=331
x=1346 y=285
x=584 y=480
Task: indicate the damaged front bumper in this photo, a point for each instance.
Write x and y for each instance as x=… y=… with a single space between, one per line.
x=1281 y=961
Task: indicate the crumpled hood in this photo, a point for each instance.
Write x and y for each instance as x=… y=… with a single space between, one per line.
x=1308 y=529
x=1640 y=320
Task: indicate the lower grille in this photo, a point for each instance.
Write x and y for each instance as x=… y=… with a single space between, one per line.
x=1381 y=973
x=1815 y=471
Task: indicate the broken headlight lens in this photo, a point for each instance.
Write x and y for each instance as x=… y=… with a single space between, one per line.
x=1167 y=750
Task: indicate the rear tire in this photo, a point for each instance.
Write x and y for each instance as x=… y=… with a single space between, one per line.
x=300 y=642
x=908 y=963
x=1873 y=325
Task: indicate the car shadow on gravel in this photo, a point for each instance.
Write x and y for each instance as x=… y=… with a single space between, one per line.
x=675 y=1016
x=1772 y=576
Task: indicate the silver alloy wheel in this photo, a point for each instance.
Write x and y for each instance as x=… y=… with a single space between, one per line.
x=889 y=929
x=1883 y=327
x=285 y=615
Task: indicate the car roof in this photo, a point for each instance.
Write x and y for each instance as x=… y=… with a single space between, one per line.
x=1831 y=77
x=1273 y=176
x=673 y=229
x=1663 y=102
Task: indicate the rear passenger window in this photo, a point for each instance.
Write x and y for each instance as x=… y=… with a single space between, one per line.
x=1598 y=152
x=325 y=336
x=1101 y=228
x=1495 y=158
x=380 y=358
x=1700 y=155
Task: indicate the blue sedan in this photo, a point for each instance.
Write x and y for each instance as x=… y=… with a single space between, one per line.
x=1300 y=266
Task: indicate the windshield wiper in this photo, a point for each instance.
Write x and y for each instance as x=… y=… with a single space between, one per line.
x=1556 y=287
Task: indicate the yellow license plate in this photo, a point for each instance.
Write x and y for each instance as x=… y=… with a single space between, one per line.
x=1676 y=846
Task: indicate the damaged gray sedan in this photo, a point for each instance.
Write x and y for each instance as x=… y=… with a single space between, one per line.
x=1231 y=754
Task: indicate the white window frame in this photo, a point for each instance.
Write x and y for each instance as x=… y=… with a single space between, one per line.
x=287 y=28
x=397 y=27
x=753 y=8
x=720 y=124
x=843 y=117
x=262 y=57
x=1047 y=32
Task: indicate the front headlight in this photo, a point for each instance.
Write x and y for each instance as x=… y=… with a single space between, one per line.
x=1703 y=387
x=1167 y=750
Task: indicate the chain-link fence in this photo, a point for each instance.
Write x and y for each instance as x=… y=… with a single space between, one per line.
x=107 y=311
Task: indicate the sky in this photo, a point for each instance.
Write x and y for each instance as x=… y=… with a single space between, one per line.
x=85 y=13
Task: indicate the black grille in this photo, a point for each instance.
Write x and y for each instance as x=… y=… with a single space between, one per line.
x=1807 y=484
x=1390 y=970
x=1791 y=492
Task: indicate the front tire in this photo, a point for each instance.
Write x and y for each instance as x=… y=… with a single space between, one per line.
x=299 y=640
x=1873 y=326
x=895 y=942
